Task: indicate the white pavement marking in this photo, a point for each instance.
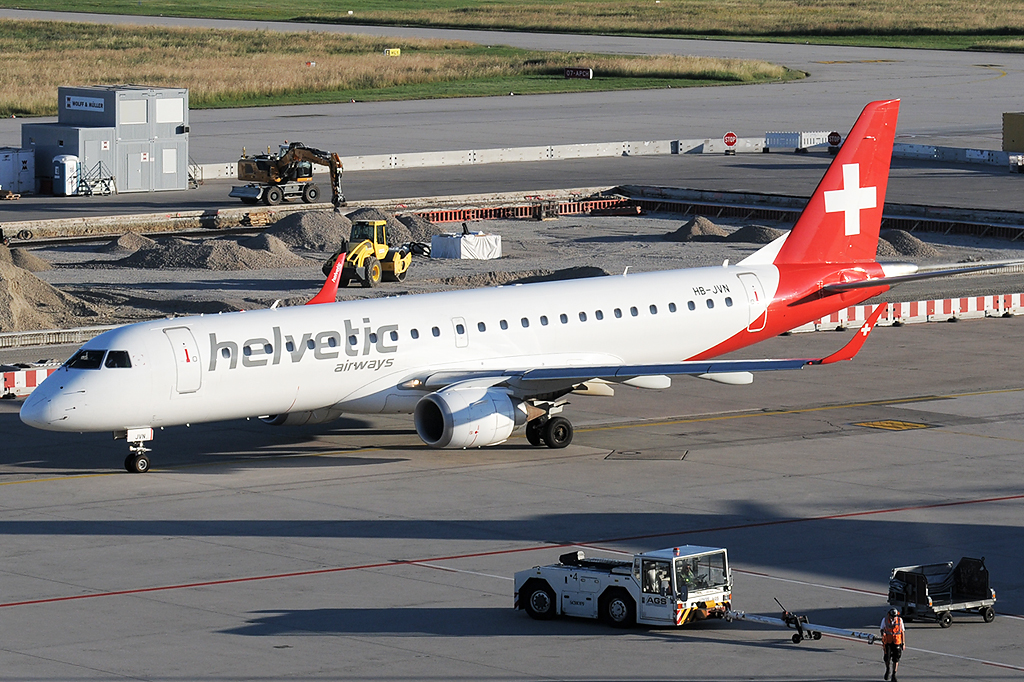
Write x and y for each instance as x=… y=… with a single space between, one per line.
x=458 y=570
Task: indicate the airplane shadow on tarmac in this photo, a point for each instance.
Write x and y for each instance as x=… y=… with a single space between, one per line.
x=238 y=443
x=852 y=550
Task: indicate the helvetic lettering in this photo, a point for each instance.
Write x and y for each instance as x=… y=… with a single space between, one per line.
x=358 y=341
x=215 y=349
x=323 y=340
x=350 y=333
x=255 y=347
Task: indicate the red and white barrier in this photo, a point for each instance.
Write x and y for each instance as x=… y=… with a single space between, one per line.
x=23 y=381
x=912 y=312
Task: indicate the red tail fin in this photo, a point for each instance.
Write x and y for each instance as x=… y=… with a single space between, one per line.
x=841 y=221
x=329 y=291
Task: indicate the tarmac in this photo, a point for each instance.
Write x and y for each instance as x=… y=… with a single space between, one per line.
x=350 y=551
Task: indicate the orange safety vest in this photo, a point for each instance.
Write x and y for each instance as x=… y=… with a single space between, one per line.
x=892 y=630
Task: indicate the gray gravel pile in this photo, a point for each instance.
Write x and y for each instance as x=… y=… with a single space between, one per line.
x=700 y=229
x=907 y=244
x=269 y=243
x=129 y=243
x=24 y=259
x=755 y=234
x=397 y=233
x=312 y=230
x=420 y=228
x=27 y=302
x=211 y=254
x=498 y=278
x=886 y=250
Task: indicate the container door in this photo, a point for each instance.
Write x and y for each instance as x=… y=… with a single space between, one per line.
x=756 y=303
x=186 y=359
x=133 y=181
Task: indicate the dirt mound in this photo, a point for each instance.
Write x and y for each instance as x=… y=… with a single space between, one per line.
x=500 y=277
x=577 y=272
x=312 y=230
x=886 y=250
x=420 y=228
x=700 y=229
x=27 y=302
x=211 y=254
x=129 y=243
x=269 y=243
x=907 y=244
x=755 y=234
x=24 y=259
x=398 y=233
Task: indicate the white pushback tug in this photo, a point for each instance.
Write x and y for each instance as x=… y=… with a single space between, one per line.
x=671 y=586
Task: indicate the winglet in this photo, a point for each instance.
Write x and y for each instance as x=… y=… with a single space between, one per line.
x=329 y=292
x=854 y=345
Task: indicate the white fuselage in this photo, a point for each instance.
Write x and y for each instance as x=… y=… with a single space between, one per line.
x=354 y=356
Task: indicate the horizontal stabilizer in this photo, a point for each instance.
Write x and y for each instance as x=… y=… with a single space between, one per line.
x=926 y=274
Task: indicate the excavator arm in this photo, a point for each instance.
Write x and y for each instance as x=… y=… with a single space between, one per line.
x=299 y=152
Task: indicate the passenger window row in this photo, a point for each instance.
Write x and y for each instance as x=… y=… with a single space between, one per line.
x=563 y=318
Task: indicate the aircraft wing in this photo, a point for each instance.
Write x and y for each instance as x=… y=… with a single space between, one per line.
x=724 y=371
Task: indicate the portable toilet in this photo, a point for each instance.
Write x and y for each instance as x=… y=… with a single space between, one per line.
x=65 y=175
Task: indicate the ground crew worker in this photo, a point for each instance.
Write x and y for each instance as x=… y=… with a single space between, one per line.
x=892 y=641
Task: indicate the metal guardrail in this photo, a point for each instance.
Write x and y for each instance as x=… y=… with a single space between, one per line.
x=52 y=337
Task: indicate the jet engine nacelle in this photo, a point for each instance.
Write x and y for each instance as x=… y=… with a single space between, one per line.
x=321 y=416
x=467 y=417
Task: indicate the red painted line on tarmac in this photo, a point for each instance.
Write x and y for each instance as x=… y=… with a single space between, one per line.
x=498 y=552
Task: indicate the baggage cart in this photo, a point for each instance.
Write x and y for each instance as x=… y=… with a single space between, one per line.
x=933 y=591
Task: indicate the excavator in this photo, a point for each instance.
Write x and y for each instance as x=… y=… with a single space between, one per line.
x=274 y=178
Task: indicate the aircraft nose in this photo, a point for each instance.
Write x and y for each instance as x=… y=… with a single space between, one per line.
x=45 y=410
x=35 y=411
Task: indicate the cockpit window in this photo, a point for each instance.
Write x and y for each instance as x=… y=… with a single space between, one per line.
x=118 y=358
x=86 y=359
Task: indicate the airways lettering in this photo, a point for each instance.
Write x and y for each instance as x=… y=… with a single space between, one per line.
x=326 y=345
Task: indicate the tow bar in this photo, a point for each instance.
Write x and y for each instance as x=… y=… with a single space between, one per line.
x=804 y=629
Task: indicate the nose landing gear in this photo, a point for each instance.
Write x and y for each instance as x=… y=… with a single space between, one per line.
x=137 y=461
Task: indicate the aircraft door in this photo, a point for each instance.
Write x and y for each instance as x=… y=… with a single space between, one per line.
x=186 y=359
x=461 y=334
x=657 y=601
x=756 y=303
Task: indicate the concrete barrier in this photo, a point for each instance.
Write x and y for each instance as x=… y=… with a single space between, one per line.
x=214 y=171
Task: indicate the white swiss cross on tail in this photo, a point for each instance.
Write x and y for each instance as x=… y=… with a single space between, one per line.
x=851 y=199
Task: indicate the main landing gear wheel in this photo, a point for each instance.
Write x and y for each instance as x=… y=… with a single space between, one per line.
x=136 y=463
x=557 y=432
x=535 y=432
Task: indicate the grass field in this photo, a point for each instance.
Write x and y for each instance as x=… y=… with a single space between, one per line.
x=246 y=68
x=950 y=24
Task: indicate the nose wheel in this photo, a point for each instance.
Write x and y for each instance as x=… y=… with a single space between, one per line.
x=137 y=461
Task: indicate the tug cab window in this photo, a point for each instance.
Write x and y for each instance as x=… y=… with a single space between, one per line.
x=656 y=577
x=86 y=359
x=118 y=359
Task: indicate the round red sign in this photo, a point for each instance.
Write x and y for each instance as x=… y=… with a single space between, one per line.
x=730 y=139
x=834 y=138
